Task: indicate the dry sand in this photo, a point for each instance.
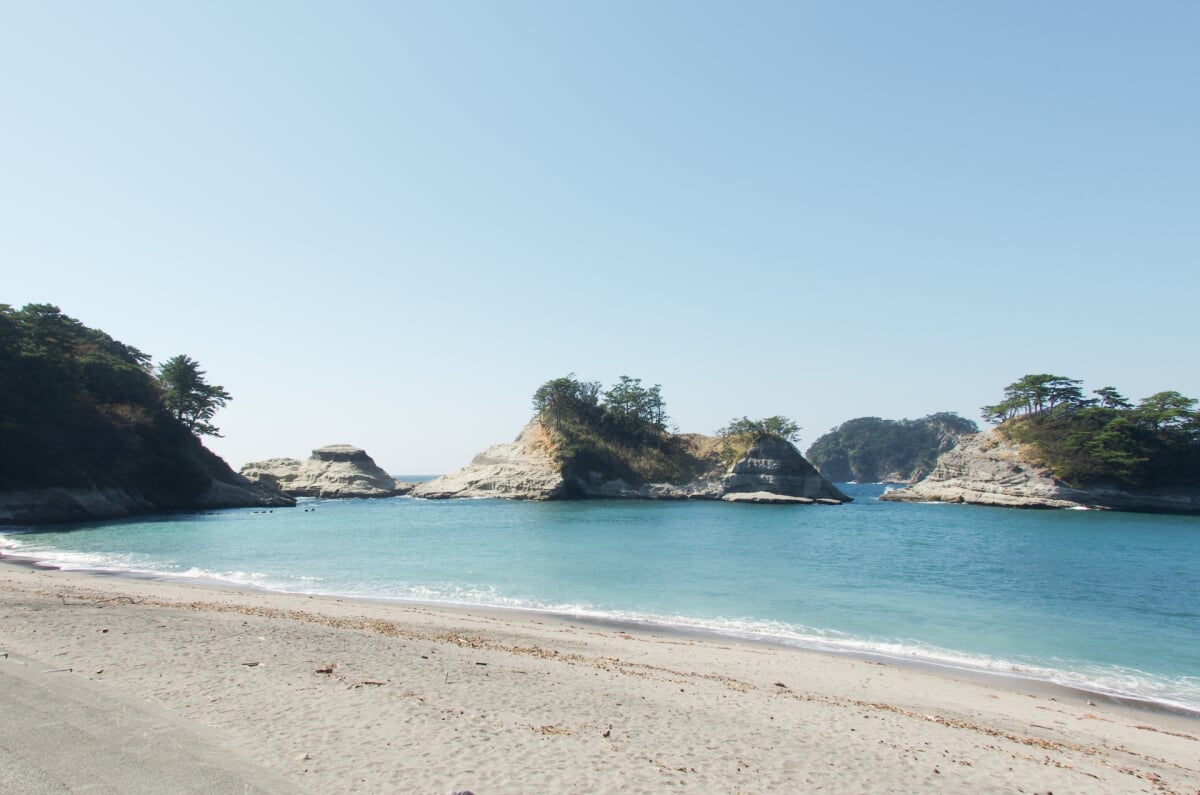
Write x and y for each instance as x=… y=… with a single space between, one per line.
x=324 y=695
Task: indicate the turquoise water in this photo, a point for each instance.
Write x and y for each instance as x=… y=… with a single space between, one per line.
x=1105 y=601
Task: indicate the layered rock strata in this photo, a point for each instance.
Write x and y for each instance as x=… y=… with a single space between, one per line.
x=519 y=470
x=775 y=466
x=988 y=469
x=334 y=471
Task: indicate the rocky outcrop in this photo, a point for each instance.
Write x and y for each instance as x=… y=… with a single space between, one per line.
x=775 y=466
x=520 y=470
x=59 y=504
x=766 y=498
x=527 y=469
x=698 y=489
x=988 y=469
x=334 y=471
x=277 y=473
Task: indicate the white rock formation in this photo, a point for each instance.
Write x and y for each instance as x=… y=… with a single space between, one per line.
x=338 y=470
x=988 y=469
x=766 y=497
x=520 y=470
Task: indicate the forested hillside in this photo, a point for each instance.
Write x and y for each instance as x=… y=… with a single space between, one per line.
x=621 y=434
x=1104 y=440
x=79 y=409
x=871 y=450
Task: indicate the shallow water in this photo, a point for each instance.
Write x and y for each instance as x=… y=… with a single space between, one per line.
x=1105 y=601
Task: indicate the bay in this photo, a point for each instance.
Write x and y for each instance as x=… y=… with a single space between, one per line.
x=1108 y=602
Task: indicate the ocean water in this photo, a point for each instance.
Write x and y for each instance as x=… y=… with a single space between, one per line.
x=1109 y=602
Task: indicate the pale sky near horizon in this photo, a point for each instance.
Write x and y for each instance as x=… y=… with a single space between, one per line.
x=387 y=223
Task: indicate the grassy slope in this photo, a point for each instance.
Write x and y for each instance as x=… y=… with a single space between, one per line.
x=593 y=453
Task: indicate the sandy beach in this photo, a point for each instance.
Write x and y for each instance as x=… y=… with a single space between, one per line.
x=221 y=690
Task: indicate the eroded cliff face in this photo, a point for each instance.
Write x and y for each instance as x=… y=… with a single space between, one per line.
x=519 y=470
x=334 y=471
x=527 y=469
x=276 y=473
x=775 y=466
x=698 y=489
x=987 y=469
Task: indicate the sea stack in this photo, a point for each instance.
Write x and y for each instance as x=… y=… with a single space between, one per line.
x=774 y=465
x=333 y=471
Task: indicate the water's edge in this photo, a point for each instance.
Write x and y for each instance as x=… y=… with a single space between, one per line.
x=1015 y=681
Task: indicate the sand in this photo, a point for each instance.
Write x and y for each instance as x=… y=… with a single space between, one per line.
x=222 y=690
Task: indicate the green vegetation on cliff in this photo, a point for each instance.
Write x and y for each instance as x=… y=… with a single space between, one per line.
x=619 y=433
x=870 y=449
x=741 y=434
x=189 y=397
x=1105 y=440
x=78 y=408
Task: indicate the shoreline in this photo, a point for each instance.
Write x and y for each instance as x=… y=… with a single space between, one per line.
x=1015 y=680
x=344 y=695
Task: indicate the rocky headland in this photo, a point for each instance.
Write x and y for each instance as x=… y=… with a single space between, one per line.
x=532 y=468
x=87 y=431
x=989 y=469
x=333 y=471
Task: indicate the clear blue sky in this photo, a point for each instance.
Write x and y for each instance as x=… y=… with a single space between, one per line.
x=387 y=223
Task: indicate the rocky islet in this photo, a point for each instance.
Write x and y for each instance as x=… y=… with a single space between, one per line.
x=333 y=471
x=528 y=469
